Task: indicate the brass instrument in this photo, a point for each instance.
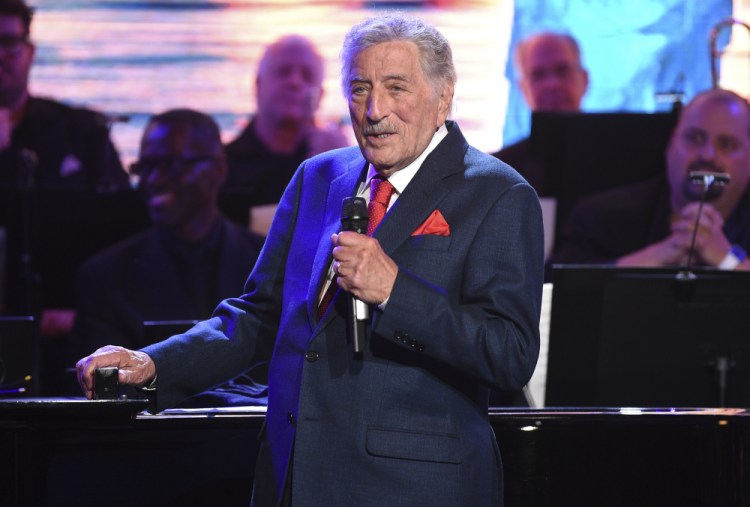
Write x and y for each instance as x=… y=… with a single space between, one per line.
x=716 y=53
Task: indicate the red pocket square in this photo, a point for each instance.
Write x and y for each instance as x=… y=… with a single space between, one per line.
x=435 y=225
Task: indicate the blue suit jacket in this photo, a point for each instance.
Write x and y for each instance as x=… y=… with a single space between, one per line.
x=406 y=423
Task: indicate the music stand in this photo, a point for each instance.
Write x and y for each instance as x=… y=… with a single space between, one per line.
x=63 y=227
x=585 y=153
x=645 y=338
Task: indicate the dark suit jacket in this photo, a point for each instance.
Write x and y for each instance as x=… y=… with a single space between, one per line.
x=608 y=225
x=72 y=147
x=256 y=169
x=521 y=157
x=136 y=280
x=406 y=424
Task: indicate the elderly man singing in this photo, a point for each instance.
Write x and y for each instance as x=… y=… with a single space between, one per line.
x=451 y=276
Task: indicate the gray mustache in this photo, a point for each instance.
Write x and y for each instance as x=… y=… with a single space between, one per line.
x=380 y=128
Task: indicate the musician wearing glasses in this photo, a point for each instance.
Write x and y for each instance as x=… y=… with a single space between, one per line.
x=662 y=221
x=43 y=143
x=189 y=260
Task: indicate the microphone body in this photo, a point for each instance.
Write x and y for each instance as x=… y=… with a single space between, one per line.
x=354 y=218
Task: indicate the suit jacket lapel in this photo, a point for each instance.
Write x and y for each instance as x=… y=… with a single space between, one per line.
x=344 y=185
x=412 y=208
x=424 y=192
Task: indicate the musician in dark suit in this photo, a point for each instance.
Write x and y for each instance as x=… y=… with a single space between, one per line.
x=182 y=266
x=651 y=223
x=552 y=79
x=43 y=143
x=451 y=275
x=283 y=131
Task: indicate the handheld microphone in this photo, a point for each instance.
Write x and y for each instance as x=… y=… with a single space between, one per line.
x=354 y=218
x=708 y=178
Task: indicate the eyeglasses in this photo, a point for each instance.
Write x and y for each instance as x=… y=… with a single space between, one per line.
x=13 y=44
x=174 y=167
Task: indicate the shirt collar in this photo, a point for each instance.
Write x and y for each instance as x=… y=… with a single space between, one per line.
x=400 y=179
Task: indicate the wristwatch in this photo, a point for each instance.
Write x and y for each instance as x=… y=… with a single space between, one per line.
x=734 y=258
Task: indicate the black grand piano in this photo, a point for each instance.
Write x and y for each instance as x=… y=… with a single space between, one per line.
x=619 y=428
x=594 y=444
x=77 y=452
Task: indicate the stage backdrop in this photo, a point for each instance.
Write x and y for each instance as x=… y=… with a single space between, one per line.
x=131 y=59
x=637 y=52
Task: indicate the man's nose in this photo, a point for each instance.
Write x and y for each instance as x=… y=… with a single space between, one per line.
x=297 y=79
x=377 y=108
x=708 y=151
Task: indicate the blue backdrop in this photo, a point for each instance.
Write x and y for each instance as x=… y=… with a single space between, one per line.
x=633 y=50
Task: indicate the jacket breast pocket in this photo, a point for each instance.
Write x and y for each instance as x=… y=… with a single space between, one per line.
x=430 y=242
x=433 y=447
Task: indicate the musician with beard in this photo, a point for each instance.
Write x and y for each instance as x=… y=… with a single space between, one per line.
x=651 y=224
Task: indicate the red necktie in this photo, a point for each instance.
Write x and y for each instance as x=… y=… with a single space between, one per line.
x=380 y=196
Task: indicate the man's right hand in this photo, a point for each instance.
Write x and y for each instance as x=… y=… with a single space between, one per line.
x=136 y=368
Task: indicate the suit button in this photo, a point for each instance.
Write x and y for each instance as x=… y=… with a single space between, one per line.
x=311 y=356
x=290 y=417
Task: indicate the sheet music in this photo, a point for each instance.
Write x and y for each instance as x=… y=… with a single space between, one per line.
x=549 y=212
x=3 y=256
x=538 y=382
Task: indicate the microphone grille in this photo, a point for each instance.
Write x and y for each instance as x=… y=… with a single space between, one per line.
x=354 y=215
x=714 y=177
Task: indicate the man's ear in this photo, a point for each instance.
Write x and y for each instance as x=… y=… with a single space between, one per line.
x=669 y=149
x=445 y=102
x=585 y=80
